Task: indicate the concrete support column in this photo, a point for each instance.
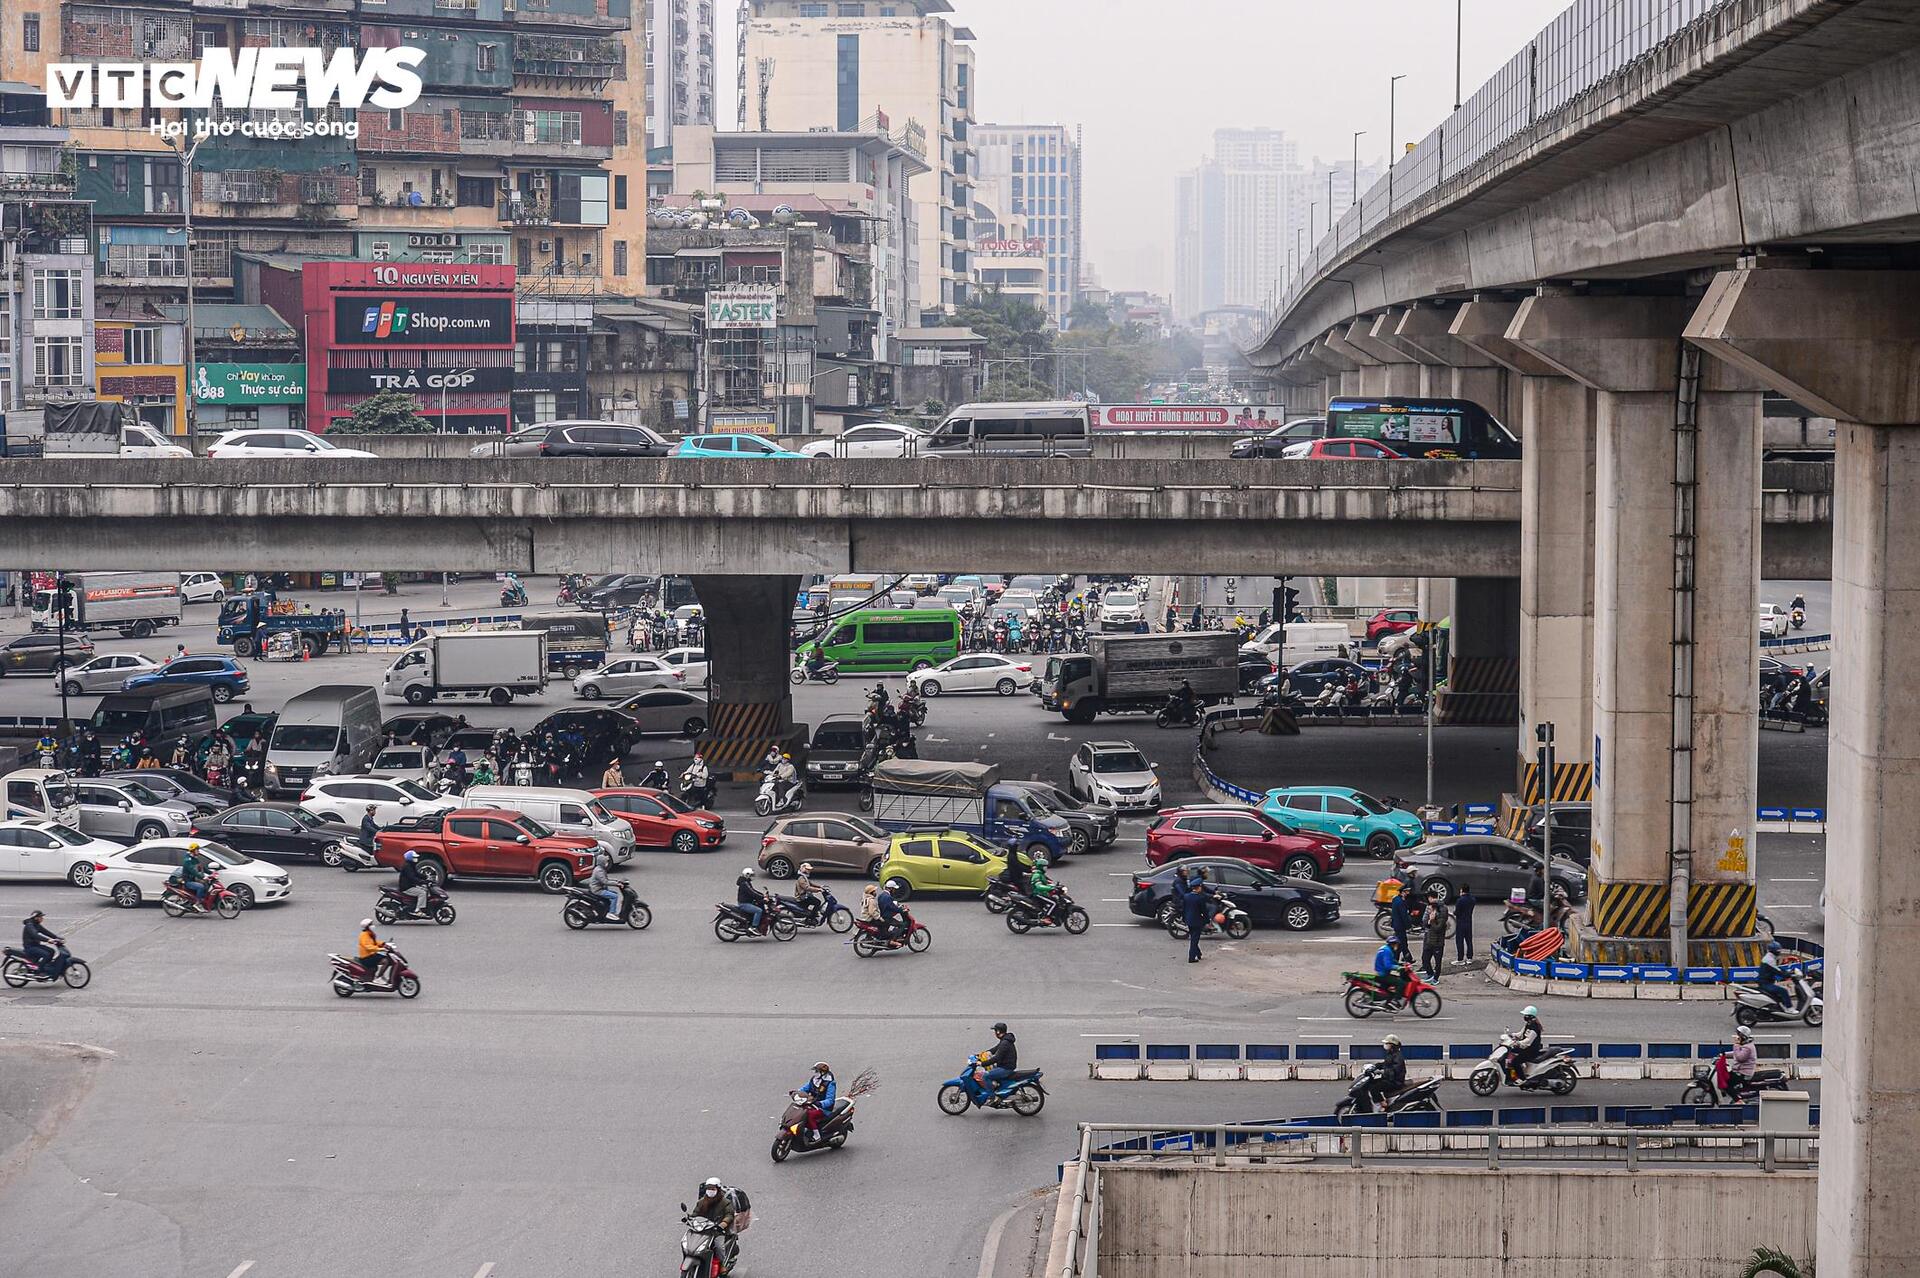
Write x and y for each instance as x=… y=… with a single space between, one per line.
x=1847 y=344
x=1556 y=571
x=1628 y=350
x=1336 y=352
x=749 y=701
x=1394 y=374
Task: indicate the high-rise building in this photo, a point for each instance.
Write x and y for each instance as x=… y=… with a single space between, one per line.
x=842 y=65
x=1033 y=171
x=680 y=62
x=1236 y=219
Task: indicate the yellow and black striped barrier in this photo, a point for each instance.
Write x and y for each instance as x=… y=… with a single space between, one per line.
x=1719 y=910
x=1480 y=690
x=1572 y=783
x=739 y=735
x=1715 y=911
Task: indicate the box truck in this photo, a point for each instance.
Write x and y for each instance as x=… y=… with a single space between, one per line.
x=484 y=665
x=134 y=603
x=1133 y=674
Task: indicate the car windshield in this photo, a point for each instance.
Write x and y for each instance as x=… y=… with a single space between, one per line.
x=600 y=814
x=119 y=722
x=1045 y=802
x=1119 y=599
x=1119 y=761
x=59 y=795
x=139 y=793
x=223 y=854
x=415 y=790
x=306 y=738
x=66 y=834
x=305 y=818
x=1371 y=804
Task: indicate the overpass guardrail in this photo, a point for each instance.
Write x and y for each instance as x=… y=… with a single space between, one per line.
x=1129 y=1062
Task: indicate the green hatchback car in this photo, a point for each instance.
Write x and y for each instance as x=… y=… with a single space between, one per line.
x=944 y=861
x=1354 y=817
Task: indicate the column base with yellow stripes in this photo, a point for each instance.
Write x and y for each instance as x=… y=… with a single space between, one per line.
x=1630 y=924
x=739 y=736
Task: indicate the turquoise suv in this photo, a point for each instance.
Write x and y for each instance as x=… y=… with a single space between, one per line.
x=1354 y=817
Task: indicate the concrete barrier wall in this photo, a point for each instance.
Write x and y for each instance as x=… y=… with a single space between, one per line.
x=1445 y=1222
x=1180 y=447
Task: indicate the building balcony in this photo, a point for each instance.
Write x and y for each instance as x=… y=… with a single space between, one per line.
x=569 y=281
x=530 y=15
x=444 y=215
x=567 y=60
x=152 y=272
x=526 y=211
x=37 y=183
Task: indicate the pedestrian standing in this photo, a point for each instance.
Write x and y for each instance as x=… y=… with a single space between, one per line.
x=1199 y=904
x=1198 y=617
x=1433 y=938
x=1400 y=915
x=1463 y=925
x=406 y=625
x=1173 y=618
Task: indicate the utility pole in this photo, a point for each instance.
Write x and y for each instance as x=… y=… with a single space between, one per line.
x=1353 y=196
x=1544 y=733
x=1393 y=144
x=1458 y=5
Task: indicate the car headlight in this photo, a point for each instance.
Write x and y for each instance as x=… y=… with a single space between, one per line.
x=320 y=770
x=709 y=825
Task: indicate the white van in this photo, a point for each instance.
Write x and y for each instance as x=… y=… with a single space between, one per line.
x=1306 y=641
x=1043 y=428
x=573 y=812
x=331 y=730
x=47 y=794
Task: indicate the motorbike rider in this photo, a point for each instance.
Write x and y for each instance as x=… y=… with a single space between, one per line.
x=822 y=1089
x=1001 y=1060
x=812 y=897
x=1771 y=981
x=1799 y=603
x=483 y=771
x=785 y=778
x=1389 y=973
x=413 y=883
x=750 y=899
x=41 y=946
x=870 y=907
x=1390 y=1078
x=1181 y=703
x=696 y=779
x=48 y=749
x=656 y=778
x=598 y=883
x=192 y=874
x=369 y=828
x=1529 y=1044
x=715 y=1203
x=1042 y=888
x=373 y=952
x=893 y=920
x=1743 y=1062
x=523 y=766
x=1015 y=872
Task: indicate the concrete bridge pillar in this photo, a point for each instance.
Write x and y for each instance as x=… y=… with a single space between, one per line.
x=1676 y=671
x=1454 y=368
x=1483 y=664
x=1847 y=345
x=749 y=700
x=1341 y=361
x=1393 y=374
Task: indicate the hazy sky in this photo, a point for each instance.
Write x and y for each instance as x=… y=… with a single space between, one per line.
x=1150 y=80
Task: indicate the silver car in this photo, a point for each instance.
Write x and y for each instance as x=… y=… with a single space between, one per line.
x=405 y=762
x=524 y=442
x=623 y=675
x=668 y=711
x=130 y=811
x=107 y=672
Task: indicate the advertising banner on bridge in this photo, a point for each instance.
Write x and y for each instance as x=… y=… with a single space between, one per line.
x=249 y=383
x=1239 y=419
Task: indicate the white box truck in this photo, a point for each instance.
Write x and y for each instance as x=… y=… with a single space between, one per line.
x=134 y=603
x=484 y=665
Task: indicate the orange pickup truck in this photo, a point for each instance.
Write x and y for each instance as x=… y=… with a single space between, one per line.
x=484 y=843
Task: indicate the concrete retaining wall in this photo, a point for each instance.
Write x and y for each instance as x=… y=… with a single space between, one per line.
x=1445 y=1222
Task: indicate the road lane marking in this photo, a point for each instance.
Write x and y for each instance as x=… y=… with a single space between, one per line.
x=484 y=1270
x=1793 y=880
x=244 y=1266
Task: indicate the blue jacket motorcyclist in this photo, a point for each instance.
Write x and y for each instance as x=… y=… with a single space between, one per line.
x=1772 y=978
x=822 y=1088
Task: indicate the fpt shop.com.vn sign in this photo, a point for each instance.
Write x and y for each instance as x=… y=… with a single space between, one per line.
x=742 y=308
x=249 y=383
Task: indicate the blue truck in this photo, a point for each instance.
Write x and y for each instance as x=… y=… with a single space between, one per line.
x=247 y=622
x=934 y=794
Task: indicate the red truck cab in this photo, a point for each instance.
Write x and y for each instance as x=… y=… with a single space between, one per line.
x=486 y=843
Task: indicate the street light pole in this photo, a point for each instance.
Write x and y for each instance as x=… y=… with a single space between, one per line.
x=1544 y=733
x=1393 y=144
x=1458 y=5
x=1354 y=195
x=187 y=152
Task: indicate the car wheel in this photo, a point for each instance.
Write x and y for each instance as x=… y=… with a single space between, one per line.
x=923 y=664
x=590 y=692
x=1006 y=687
x=873 y=867
x=901 y=889
x=556 y=877
x=1301 y=867
x=330 y=856
x=780 y=867
x=1080 y=841
x=686 y=841
x=73 y=688
x=1381 y=846
x=243 y=894
x=693 y=728
x=222 y=693
x=147 y=831
x=81 y=875
x=1296 y=917
x=126 y=895
x=417 y=695
x=1437 y=887
x=1164 y=916
x=929 y=687
x=500 y=697
x=219 y=596
x=433 y=871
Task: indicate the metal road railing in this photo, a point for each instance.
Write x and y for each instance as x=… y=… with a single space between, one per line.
x=1495 y=1148
x=1588 y=44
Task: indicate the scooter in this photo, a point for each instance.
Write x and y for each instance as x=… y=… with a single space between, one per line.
x=795 y=1136
x=1798 y=619
x=1365 y=995
x=1553 y=1073
x=1020 y=1091
x=867 y=939
x=731 y=923
x=706 y=1250
x=1751 y=1006
x=585 y=907
x=1713 y=1084
x=1177 y=714
x=825 y=672
x=348 y=855
x=349 y=978
x=397 y=905
x=1024 y=913
x=815 y=910
x=912 y=709
x=513 y=595
x=1225 y=917
x=178 y=902
x=766 y=803
x=1419 y=1098
x=17 y=970
x=700 y=796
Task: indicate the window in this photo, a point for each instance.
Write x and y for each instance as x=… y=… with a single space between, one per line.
x=467 y=828
x=619 y=190
x=59 y=361
x=143 y=345
x=382 y=251
x=1306 y=803
x=485 y=57
x=619 y=257
x=396 y=121
x=474 y=192
x=620 y=131
x=1241 y=827
x=119 y=169
x=847 y=81
x=556 y=127
x=852 y=10
x=917 y=847
x=495 y=254
x=813 y=10
x=30 y=33
x=56 y=294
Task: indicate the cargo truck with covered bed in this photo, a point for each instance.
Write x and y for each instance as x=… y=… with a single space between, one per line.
x=1134 y=674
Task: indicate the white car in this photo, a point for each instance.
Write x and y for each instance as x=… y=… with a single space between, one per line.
x=1114 y=773
x=691 y=663
x=345 y=799
x=132 y=876
x=1774 y=621
x=920 y=583
x=973 y=672
x=48 y=850
x=623 y=675
x=1121 y=608
x=403 y=763
x=107 y=672
x=202 y=587
x=279 y=443
x=869 y=439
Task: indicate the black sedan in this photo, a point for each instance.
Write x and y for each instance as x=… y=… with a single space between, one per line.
x=1253 y=668
x=602 y=439
x=177 y=783
x=601 y=733
x=1310 y=677
x=274 y=832
x=621 y=592
x=422 y=727
x=1270 y=900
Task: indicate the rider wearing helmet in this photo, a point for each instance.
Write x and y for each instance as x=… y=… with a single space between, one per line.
x=715 y=1204
x=1390 y=1077
x=412 y=882
x=1770 y=976
x=193 y=873
x=598 y=883
x=1743 y=1061
x=823 y=1091
x=1002 y=1059
x=785 y=778
x=656 y=778
x=1041 y=887
x=40 y=945
x=1529 y=1044
x=750 y=900
x=812 y=896
x=373 y=951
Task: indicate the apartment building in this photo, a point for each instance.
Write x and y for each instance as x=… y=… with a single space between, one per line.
x=47 y=340
x=1033 y=172
x=680 y=62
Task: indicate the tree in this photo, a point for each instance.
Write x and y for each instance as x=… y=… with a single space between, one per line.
x=390 y=412
x=1019 y=341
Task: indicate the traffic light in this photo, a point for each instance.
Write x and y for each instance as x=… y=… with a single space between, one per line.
x=1289 y=601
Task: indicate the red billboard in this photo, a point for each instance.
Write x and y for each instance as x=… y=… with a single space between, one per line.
x=1241 y=419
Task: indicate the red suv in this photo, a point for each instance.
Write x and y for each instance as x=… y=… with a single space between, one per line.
x=1246 y=833
x=661 y=820
x=482 y=843
x=1391 y=621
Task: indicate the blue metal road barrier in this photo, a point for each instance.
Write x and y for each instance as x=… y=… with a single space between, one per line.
x=1322 y=1062
x=1651 y=973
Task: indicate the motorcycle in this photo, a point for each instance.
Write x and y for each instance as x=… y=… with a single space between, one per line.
x=1553 y=1073
x=1713 y=1084
x=868 y=941
x=178 y=902
x=1235 y=922
x=1178 y=714
x=585 y=907
x=513 y=596
x=349 y=978
x=706 y=1249
x=766 y=803
x=1419 y=1098
x=824 y=672
x=913 y=710
x=795 y=1136
x=699 y=796
x=1751 y=1006
x=1019 y=1091
x=1365 y=996
x=815 y=910
x=1025 y=913
x=17 y=970
x=1798 y=619
x=397 y=905
x=731 y=922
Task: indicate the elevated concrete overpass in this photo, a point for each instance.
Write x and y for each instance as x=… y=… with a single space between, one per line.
x=549 y=515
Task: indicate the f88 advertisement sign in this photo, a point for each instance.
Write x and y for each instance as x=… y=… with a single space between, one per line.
x=423 y=321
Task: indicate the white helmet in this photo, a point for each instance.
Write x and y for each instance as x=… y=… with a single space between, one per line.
x=366 y=925
x=1742 y=1034
x=747 y=873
